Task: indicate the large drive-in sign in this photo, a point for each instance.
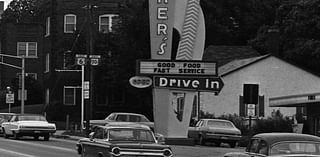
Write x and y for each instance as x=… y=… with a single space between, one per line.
x=182 y=68
x=212 y=84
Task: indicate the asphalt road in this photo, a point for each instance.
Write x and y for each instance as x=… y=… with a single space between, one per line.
x=28 y=147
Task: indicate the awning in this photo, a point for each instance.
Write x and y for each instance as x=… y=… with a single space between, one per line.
x=295 y=100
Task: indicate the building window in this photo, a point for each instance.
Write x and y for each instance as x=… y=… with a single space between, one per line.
x=47 y=101
x=107 y=22
x=69 y=23
x=28 y=49
x=69 y=95
x=47 y=26
x=47 y=63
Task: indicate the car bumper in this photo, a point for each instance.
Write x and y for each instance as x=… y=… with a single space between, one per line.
x=222 y=137
x=33 y=132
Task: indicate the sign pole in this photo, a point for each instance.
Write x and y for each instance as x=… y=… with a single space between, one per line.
x=22 y=84
x=82 y=96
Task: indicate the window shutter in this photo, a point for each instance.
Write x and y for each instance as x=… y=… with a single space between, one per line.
x=261 y=106
x=241 y=107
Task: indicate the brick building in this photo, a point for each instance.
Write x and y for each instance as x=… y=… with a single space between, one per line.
x=63 y=33
x=17 y=40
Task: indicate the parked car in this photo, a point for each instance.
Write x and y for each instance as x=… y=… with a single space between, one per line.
x=124 y=117
x=4 y=117
x=281 y=145
x=215 y=130
x=123 y=139
x=28 y=125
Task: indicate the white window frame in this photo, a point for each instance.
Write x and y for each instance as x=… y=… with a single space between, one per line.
x=110 y=22
x=74 y=95
x=74 y=23
x=47 y=66
x=47 y=26
x=27 y=45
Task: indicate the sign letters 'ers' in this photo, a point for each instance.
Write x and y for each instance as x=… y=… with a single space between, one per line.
x=161 y=20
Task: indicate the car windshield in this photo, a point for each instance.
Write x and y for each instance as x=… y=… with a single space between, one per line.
x=4 y=118
x=134 y=118
x=129 y=134
x=221 y=124
x=295 y=148
x=31 y=118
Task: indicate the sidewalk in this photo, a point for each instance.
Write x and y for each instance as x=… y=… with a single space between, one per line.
x=61 y=134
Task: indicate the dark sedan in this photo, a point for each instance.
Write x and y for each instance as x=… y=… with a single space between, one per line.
x=281 y=145
x=122 y=139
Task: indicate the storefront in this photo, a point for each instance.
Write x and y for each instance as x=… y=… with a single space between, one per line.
x=308 y=107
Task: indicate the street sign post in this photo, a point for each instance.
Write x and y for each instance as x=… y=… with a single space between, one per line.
x=94 y=60
x=81 y=59
x=9 y=98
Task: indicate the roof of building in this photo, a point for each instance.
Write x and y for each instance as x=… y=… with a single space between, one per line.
x=238 y=63
x=225 y=54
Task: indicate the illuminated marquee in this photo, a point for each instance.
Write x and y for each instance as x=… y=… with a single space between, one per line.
x=182 y=68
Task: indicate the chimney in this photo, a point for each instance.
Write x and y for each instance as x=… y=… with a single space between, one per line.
x=273 y=41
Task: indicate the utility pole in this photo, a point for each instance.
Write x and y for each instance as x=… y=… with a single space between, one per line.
x=88 y=74
x=22 y=75
x=22 y=84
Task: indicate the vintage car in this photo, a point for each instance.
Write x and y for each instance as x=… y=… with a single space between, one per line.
x=281 y=145
x=215 y=130
x=4 y=117
x=124 y=117
x=123 y=140
x=28 y=125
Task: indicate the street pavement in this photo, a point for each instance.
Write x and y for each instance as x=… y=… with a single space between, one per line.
x=178 y=150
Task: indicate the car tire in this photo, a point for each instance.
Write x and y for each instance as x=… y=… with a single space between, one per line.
x=46 y=137
x=217 y=143
x=202 y=141
x=232 y=144
x=15 y=135
x=4 y=134
x=36 y=137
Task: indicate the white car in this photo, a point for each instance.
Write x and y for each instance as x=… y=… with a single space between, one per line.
x=28 y=125
x=124 y=117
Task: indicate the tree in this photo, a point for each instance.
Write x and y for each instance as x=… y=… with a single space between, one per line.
x=234 y=22
x=21 y=11
x=299 y=33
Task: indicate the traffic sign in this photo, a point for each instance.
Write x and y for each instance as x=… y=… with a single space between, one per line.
x=94 y=60
x=212 y=84
x=181 y=68
x=9 y=98
x=81 y=59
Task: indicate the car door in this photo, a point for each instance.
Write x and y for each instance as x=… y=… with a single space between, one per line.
x=97 y=145
x=193 y=131
x=12 y=124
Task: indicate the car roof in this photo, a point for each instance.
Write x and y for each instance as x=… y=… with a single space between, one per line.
x=7 y=113
x=125 y=125
x=211 y=119
x=29 y=114
x=271 y=138
x=127 y=113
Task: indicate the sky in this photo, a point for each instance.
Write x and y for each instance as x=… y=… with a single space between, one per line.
x=6 y=2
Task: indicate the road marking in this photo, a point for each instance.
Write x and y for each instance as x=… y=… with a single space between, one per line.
x=16 y=153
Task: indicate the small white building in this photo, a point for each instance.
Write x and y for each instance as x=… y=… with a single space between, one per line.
x=277 y=80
